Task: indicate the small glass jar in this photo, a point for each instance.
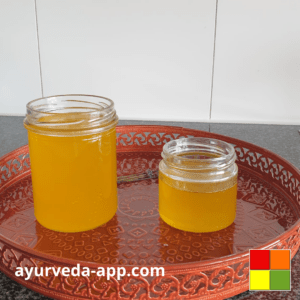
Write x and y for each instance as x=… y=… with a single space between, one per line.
x=72 y=148
x=198 y=184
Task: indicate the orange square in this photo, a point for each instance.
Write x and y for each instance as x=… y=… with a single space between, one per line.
x=280 y=259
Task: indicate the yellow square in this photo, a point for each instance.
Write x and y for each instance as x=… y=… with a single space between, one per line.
x=259 y=280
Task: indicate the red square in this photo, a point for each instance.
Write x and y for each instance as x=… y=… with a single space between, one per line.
x=259 y=259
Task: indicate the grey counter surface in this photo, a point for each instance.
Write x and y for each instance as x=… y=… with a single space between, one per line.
x=281 y=139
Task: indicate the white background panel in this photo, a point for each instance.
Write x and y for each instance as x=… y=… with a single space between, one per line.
x=153 y=58
x=19 y=61
x=257 y=62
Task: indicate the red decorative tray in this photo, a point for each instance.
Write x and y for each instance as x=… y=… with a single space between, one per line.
x=197 y=266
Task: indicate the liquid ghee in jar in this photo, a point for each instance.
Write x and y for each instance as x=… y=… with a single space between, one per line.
x=72 y=147
x=198 y=184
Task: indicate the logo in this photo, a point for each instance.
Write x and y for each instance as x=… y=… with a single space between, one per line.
x=270 y=270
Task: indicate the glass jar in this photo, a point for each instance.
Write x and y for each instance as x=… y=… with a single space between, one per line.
x=198 y=184
x=72 y=148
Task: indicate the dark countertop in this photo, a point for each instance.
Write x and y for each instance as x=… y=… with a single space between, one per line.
x=281 y=139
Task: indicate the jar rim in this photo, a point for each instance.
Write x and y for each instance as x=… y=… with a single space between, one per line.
x=71 y=114
x=30 y=107
x=220 y=154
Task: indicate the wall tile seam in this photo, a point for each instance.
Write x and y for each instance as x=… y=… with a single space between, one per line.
x=38 y=45
x=213 y=61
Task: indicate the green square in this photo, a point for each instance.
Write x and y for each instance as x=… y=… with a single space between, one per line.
x=280 y=280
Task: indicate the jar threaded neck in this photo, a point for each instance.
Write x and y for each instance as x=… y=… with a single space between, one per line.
x=71 y=114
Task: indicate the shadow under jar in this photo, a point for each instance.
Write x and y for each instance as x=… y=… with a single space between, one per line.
x=72 y=148
x=198 y=184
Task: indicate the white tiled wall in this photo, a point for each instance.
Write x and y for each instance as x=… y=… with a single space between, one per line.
x=257 y=62
x=19 y=58
x=153 y=58
x=156 y=58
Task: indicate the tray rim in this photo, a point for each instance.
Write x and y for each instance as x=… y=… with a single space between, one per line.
x=188 y=266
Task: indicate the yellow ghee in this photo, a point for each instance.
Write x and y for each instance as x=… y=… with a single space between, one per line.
x=196 y=211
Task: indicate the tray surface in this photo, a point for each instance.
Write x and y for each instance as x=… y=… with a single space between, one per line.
x=136 y=236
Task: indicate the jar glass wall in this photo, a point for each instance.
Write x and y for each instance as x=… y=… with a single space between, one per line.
x=198 y=184
x=72 y=147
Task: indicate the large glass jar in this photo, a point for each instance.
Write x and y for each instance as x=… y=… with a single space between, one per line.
x=198 y=184
x=72 y=148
